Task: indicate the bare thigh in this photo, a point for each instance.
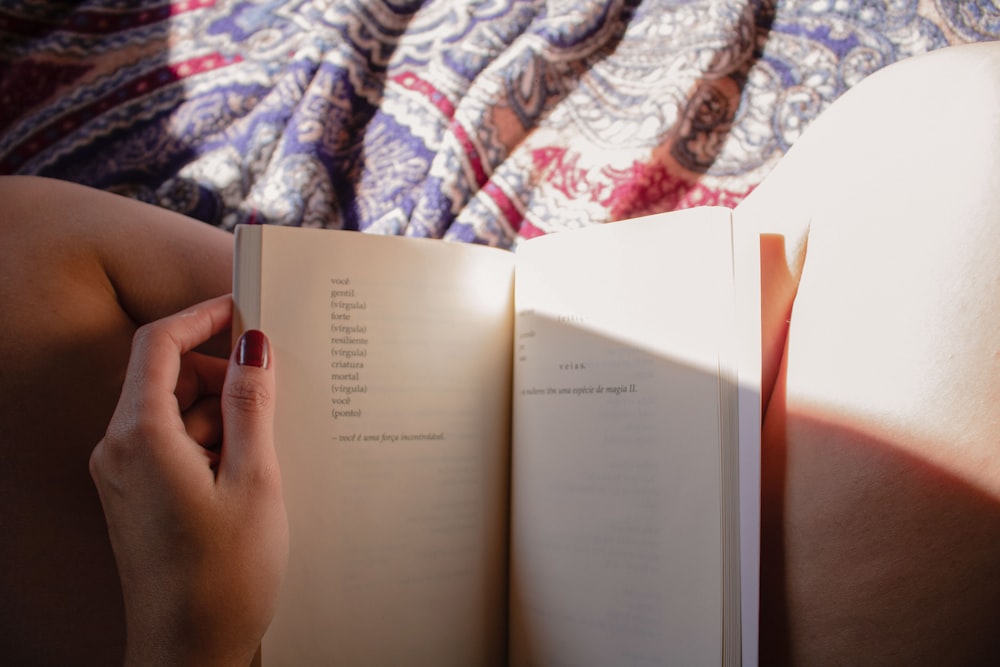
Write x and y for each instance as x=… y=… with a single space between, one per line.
x=79 y=270
x=881 y=502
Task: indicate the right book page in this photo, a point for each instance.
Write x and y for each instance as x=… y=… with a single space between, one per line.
x=625 y=525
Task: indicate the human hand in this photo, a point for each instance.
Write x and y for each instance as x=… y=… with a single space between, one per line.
x=191 y=490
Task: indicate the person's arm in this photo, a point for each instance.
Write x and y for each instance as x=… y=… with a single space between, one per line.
x=190 y=486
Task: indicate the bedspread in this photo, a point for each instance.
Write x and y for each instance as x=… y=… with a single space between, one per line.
x=475 y=120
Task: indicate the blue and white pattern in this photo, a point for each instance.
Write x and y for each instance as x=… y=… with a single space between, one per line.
x=476 y=120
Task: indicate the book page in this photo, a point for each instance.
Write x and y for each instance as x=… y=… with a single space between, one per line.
x=746 y=269
x=617 y=513
x=393 y=363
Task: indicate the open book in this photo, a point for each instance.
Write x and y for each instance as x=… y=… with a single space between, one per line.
x=548 y=457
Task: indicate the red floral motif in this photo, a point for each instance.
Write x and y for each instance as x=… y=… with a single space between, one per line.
x=640 y=189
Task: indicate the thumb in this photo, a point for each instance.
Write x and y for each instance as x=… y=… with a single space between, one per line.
x=248 y=410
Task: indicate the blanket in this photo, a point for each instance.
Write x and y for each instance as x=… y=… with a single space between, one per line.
x=485 y=121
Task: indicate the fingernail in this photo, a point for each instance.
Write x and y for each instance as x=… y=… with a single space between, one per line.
x=251 y=350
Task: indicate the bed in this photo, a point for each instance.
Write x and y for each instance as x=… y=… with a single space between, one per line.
x=485 y=121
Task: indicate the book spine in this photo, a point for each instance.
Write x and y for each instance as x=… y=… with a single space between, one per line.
x=247 y=251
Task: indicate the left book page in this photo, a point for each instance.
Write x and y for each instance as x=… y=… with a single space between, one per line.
x=393 y=361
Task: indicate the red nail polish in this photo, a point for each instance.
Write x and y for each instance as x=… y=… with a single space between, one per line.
x=251 y=350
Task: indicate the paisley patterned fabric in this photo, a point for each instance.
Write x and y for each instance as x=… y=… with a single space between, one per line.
x=483 y=121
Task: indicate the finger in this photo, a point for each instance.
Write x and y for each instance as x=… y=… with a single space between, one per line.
x=203 y=422
x=200 y=376
x=248 y=412
x=154 y=365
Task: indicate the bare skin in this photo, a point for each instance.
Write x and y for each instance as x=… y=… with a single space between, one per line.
x=881 y=348
x=881 y=526
x=80 y=271
x=189 y=481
